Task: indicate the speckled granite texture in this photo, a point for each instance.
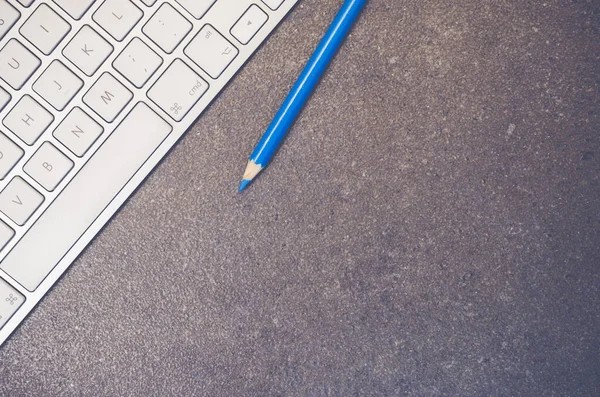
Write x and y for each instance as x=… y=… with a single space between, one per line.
x=431 y=226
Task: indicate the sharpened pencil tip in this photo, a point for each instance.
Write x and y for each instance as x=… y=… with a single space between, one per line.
x=252 y=169
x=243 y=185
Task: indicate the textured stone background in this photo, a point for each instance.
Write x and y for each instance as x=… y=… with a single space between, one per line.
x=431 y=227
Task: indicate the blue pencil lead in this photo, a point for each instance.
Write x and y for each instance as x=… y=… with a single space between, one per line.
x=243 y=185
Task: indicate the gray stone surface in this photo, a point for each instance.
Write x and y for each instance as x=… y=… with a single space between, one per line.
x=429 y=228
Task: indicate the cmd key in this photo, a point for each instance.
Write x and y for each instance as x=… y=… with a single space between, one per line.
x=178 y=90
x=10 y=301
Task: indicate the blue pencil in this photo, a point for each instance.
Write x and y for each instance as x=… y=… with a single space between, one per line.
x=299 y=94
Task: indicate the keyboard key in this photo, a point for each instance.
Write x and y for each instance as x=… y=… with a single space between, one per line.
x=10 y=300
x=149 y=3
x=28 y=120
x=118 y=17
x=4 y=98
x=211 y=51
x=88 y=50
x=249 y=24
x=58 y=85
x=6 y=234
x=167 y=28
x=178 y=90
x=273 y=4
x=197 y=7
x=8 y=16
x=17 y=64
x=19 y=201
x=78 y=132
x=10 y=154
x=107 y=97
x=45 y=29
x=75 y=8
x=48 y=166
x=137 y=63
x=101 y=178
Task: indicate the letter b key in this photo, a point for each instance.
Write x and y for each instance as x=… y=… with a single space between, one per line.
x=48 y=166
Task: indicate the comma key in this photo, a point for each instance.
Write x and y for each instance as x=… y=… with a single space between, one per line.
x=178 y=90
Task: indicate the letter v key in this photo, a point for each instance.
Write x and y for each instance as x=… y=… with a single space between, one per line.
x=19 y=200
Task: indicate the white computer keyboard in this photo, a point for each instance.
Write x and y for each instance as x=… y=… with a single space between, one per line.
x=93 y=93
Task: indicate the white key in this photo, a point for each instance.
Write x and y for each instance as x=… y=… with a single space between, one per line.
x=107 y=97
x=48 y=166
x=17 y=64
x=178 y=90
x=58 y=85
x=78 y=132
x=75 y=8
x=137 y=63
x=167 y=28
x=45 y=29
x=4 y=98
x=149 y=3
x=19 y=201
x=6 y=234
x=10 y=154
x=249 y=24
x=101 y=178
x=118 y=17
x=10 y=300
x=26 y=3
x=273 y=4
x=88 y=50
x=211 y=51
x=196 y=7
x=8 y=16
x=28 y=120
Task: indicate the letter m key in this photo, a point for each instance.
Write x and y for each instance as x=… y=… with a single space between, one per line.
x=107 y=97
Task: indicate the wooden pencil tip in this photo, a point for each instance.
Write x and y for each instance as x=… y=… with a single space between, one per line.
x=252 y=169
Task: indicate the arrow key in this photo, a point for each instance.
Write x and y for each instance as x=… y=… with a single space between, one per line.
x=249 y=24
x=19 y=200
